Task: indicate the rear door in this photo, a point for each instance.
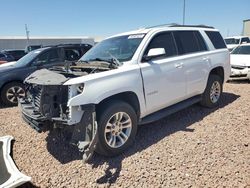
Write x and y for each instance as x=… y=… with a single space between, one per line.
x=164 y=78
x=193 y=51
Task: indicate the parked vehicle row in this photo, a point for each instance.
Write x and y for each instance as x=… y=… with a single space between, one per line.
x=15 y=53
x=13 y=74
x=233 y=42
x=5 y=57
x=240 y=62
x=128 y=79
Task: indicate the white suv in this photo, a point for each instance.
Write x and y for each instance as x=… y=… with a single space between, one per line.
x=128 y=79
x=233 y=42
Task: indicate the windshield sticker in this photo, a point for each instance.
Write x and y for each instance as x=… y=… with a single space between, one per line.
x=136 y=36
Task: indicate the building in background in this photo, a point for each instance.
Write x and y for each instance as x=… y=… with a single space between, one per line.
x=246 y=27
x=21 y=42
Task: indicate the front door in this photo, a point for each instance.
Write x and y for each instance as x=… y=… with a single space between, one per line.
x=163 y=77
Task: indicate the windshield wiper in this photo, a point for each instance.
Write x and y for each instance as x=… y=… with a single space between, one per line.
x=81 y=61
x=113 y=62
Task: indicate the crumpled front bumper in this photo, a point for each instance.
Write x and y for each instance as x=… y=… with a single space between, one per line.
x=10 y=176
x=82 y=127
x=241 y=73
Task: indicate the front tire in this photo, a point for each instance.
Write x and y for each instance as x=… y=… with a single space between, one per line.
x=213 y=91
x=11 y=92
x=117 y=127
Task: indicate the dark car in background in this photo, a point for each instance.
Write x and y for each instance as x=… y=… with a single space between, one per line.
x=17 y=54
x=13 y=74
x=5 y=57
x=32 y=47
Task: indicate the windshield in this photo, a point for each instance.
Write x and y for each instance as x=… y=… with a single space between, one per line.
x=121 y=48
x=27 y=58
x=241 y=50
x=232 y=41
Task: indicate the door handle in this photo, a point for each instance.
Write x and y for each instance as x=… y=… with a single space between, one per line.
x=178 y=65
x=205 y=58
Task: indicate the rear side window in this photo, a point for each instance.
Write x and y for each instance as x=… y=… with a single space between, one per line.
x=216 y=39
x=245 y=40
x=189 y=42
x=72 y=54
x=163 y=40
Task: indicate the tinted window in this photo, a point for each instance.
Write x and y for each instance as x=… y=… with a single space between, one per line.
x=187 y=42
x=245 y=40
x=241 y=50
x=49 y=56
x=1 y=55
x=216 y=39
x=72 y=54
x=200 y=41
x=232 y=41
x=163 y=40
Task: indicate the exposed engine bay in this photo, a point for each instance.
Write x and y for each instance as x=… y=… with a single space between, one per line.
x=45 y=106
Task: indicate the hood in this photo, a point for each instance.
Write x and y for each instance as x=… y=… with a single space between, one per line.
x=7 y=66
x=46 y=77
x=241 y=60
x=232 y=46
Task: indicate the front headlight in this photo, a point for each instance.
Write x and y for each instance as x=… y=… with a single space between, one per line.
x=80 y=88
x=74 y=90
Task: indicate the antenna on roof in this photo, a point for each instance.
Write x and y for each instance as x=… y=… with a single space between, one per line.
x=184 y=12
x=27 y=34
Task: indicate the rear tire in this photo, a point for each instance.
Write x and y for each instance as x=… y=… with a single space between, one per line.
x=11 y=92
x=213 y=91
x=117 y=127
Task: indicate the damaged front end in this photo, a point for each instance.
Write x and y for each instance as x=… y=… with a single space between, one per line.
x=46 y=107
x=10 y=176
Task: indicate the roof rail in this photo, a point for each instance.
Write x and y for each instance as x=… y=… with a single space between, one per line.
x=201 y=25
x=162 y=25
x=178 y=25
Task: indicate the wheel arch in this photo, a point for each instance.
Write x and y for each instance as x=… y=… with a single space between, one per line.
x=129 y=97
x=218 y=71
x=10 y=81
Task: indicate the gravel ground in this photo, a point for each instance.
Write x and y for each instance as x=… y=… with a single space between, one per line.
x=196 y=147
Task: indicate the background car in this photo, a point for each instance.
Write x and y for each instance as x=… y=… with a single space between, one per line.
x=13 y=74
x=17 y=54
x=233 y=42
x=32 y=47
x=4 y=57
x=240 y=62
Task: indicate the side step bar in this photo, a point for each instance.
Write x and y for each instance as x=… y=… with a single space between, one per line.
x=170 y=110
x=10 y=176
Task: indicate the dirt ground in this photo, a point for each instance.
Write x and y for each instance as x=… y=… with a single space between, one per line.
x=196 y=147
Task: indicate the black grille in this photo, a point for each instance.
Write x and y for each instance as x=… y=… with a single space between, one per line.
x=238 y=67
x=238 y=76
x=37 y=94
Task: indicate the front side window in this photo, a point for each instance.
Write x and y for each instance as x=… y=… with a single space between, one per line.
x=121 y=48
x=243 y=50
x=163 y=40
x=49 y=56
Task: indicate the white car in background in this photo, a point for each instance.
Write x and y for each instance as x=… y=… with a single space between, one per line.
x=240 y=62
x=233 y=42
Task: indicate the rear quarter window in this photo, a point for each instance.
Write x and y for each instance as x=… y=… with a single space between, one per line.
x=216 y=39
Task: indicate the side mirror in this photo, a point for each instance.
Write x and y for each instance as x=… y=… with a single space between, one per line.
x=154 y=53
